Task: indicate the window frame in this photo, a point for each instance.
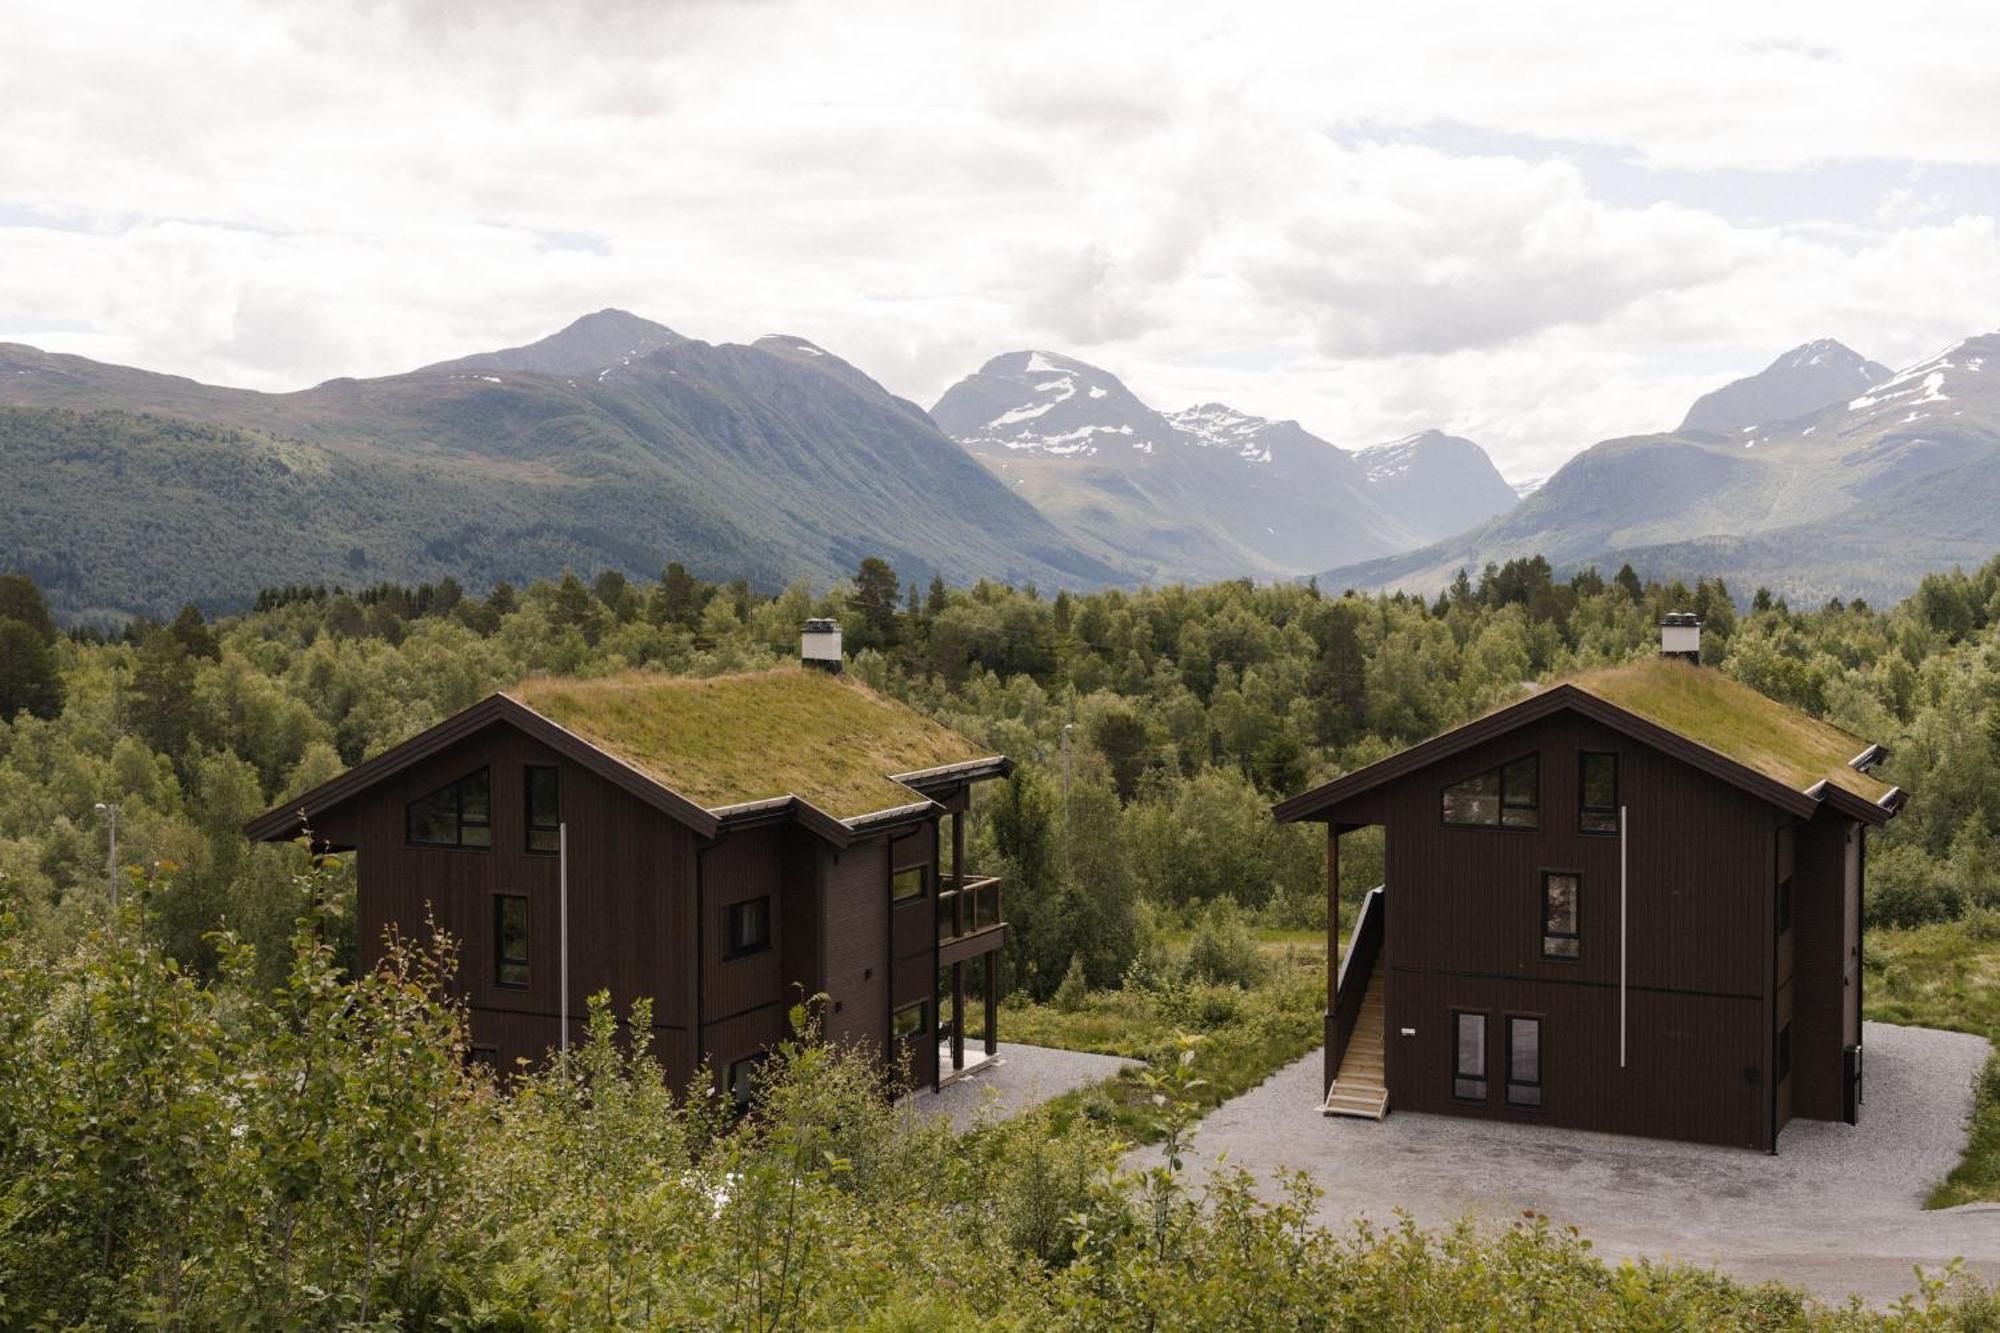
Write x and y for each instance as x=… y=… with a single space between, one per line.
x=923 y=872
x=1540 y=1082
x=1584 y=810
x=1576 y=912
x=459 y=822
x=1503 y=805
x=529 y=827
x=741 y=1106
x=1459 y=1075
x=501 y=960
x=733 y=950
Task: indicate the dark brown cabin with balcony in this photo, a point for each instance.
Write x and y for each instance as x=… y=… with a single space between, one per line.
x=719 y=846
x=1630 y=902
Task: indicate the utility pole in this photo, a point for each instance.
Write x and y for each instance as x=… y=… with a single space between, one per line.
x=110 y=812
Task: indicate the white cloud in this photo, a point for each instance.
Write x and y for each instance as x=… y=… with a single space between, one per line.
x=1261 y=208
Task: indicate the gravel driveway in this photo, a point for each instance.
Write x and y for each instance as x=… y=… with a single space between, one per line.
x=1839 y=1210
x=1019 y=1078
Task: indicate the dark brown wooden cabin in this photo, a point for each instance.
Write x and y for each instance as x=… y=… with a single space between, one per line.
x=1630 y=902
x=730 y=845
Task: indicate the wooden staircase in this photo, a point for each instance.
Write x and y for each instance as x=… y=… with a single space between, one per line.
x=1359 y=1087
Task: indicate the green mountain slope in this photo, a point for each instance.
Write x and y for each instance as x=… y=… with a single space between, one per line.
x=766 y=462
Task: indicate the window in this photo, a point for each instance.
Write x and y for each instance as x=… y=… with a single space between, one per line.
x=744 y=1076
x=749 y=926
x=1561 y=908
x=510 y=940
x=910 y=883
x=1597 y=792
x=1505 y=797
x=544 y=810
x=1784 y=1052
x=460 y=815
x=908 y=1022
x=1524 y=1061
x=1784 y=904
x=1468 y=1060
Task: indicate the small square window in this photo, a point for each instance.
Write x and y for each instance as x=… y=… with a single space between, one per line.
x=910 y=883
x=749 y=926
x=907 y=1023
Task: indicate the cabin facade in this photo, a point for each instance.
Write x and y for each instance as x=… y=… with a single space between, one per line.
x=1630 y=902
x=720 y=847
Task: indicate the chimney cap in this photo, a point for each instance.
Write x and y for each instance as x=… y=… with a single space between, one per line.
x=1680 y=619
x=821 y=625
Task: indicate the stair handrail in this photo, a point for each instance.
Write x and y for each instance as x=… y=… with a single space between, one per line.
x=1368 y=901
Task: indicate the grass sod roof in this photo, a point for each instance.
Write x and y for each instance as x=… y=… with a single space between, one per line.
x=728 y=740
x=1735 y=721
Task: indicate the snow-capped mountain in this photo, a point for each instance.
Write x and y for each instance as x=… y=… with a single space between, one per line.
x=1209 y=491
x=1897 y=475
x=1803 y=380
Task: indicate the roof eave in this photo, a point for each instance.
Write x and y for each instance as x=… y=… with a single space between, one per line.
x=952 y=776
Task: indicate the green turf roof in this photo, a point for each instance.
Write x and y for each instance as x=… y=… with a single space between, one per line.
x=727 y=740
x=1735 y=721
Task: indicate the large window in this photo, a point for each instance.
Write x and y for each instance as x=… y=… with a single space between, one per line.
x=1468 y=1056
x=1562 y=892
x=1524 y=1061
x=749 y=926
x=510 y=940
x=544 y=797
x=460 y=815
x=1597 y=792
x=1504 y=797
x=910 y=883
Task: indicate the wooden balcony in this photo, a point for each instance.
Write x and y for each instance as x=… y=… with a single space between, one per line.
x=968 y=905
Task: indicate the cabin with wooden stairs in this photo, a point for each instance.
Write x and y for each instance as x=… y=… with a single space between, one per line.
x=1361 y=1087
x=1355 y=1020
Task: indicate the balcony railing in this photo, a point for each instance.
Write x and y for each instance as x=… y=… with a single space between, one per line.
x=967 y=905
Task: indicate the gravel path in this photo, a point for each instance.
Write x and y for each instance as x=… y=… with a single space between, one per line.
x=1839 y=1210
x=1015 y=1080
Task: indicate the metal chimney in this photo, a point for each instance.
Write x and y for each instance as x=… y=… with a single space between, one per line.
x=819 y=645
x=1680 y=636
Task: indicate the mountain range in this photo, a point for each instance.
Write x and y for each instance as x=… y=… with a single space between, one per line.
x=1824 y=474
x=1210 y=491
x=616 y=443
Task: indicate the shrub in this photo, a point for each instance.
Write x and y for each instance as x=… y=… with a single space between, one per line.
x=1222 y=950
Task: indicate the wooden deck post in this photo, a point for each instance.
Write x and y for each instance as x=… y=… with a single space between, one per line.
x=1332 y=949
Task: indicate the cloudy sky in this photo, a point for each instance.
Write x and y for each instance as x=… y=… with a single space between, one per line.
x=1535 y=225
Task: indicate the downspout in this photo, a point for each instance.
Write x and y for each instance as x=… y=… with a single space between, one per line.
x=562 y=934
x=1624 y=930
x=700 y=952
x=1771 y=1000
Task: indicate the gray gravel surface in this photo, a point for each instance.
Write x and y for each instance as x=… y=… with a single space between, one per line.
x=1838 y=1210
x=1019 y=1078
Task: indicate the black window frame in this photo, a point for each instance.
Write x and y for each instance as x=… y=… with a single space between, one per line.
x=1505 y=801
x=1540 y=1081
x=1585 y=812
x=501 y=959
x=923 y=872
x=752 y=1064
x=1460 y=1076
x=740 y=910
x=459 y=822
x=529 y=825
x=922 y=1008
x=1574 y=935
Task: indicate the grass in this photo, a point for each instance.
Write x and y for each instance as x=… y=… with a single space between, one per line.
x=1948 y=976
x=1246 y=1034
x=725 y=740
x=1735 y=720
